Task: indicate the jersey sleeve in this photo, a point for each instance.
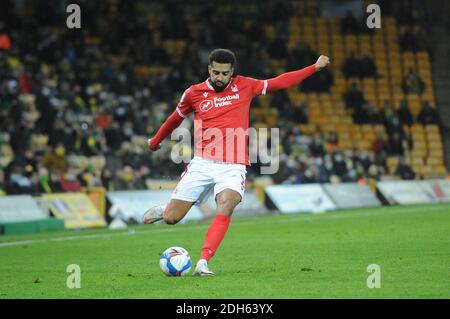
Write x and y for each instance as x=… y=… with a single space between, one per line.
x=259 y=87
x=184 y=107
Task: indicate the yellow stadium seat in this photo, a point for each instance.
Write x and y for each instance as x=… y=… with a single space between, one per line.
x=440 y=169
x=426 y=171
x=417 y=161
x=435 y=161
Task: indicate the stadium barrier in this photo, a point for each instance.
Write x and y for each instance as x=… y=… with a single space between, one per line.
x=315 y=198
x=21 y=214
x=318 y=198
x=130 y=205
x=351 y=195
x=20 y=208
x=76 y=209
x=291 y=199
x=31 y=226
x=414 y=192
x=98 y=196
x=249 y=206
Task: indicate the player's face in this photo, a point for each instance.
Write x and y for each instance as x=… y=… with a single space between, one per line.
x=220 y=73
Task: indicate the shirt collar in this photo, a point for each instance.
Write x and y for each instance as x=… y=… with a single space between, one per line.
x=211 y=88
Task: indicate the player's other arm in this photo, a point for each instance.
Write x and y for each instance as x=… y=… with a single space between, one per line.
x=293 y=78
x=172 y=122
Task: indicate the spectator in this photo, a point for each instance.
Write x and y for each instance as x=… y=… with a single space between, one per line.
x=20 y=181
x=404 y=170
x=380 y=147
x=2 y=184
x=361 y=115
x=320 y=83
x=374 y=172
x=362 y=159
x=107 y=179
x=339 y=165
x=411 y=41
x=412 y=83
x=322 y=172
x=125 y=178
x=354 y=67
x=157 y=53
x=69 y=181
x=142 y=175
x=349 y=24
x=56 y=161
x=427 y=115
x=114 y=136
x=353 y=97
x=367 y=67
x=277 y=49
x=316 y=146
x=332 y=141
x=5 y=41
x=43 y=182
x=396 y=144
x=389 y=116
x=301 y=55
x=299 y=113
x=351 y=66
x=404 y=114
x=373 y=115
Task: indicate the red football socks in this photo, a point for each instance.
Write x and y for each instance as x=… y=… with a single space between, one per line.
x=214 y=236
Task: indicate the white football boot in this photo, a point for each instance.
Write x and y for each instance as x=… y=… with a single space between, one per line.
x=202 y=269
x=153 y=215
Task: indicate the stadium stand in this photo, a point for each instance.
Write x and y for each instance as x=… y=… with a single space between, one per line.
x=76 y=106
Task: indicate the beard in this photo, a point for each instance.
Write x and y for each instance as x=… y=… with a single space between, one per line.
x=218 y=88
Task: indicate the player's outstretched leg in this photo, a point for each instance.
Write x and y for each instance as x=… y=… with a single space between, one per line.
x=226 y=202
x=170 y=213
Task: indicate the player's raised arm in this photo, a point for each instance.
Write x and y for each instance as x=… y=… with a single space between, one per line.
x=293 y=78
x=172 y=122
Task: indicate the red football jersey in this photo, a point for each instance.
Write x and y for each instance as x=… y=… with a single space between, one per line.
x=221 y=118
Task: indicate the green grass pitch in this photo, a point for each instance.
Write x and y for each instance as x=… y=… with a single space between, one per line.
x=276 y=256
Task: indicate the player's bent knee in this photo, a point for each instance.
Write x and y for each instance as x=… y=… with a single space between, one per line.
x=228 y=199
x=226 y=204
x=170 y=220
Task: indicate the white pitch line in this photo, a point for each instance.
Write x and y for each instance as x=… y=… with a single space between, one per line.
x=33 y=241
x=307 y=217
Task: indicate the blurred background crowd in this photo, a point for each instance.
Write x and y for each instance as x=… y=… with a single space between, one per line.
x=77 y=105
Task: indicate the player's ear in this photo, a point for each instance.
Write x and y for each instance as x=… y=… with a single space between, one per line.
x=209 y=68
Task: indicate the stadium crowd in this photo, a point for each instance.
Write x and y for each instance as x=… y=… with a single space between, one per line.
x=68 y=95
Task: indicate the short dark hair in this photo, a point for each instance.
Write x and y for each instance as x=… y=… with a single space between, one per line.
x=222 y=56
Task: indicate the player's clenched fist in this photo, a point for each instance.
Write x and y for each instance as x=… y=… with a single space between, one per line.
x=152 y=146
x=322 y=62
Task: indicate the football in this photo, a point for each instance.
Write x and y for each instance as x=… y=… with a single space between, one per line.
x=175 y=261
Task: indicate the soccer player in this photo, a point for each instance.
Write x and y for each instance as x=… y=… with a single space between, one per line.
x=221 y=110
